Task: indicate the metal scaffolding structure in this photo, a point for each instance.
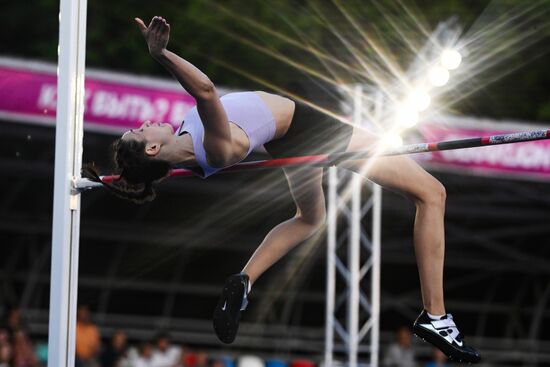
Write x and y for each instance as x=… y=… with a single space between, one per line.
x=353 y=256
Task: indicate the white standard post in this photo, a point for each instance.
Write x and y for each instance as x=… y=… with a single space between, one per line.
x=68 y=159
x=332 y=217
x=353 y=266
x=376 y=258
x=354 y=245
x=375 y=275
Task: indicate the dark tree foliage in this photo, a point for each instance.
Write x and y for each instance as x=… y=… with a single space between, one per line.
x=256 y=44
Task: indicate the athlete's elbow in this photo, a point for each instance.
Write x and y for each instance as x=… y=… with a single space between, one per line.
x=205 y=91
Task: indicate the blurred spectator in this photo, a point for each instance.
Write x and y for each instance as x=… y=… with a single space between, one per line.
x=228 y=361
x=218 y=363
x=88 y=341
x=23 y=352
x=145 y=356
x=250 y=361
x=41 y=352
x=5 y=348
x=223 y=361
x=201 y=359
x=188 y=358
x=14 y=320
x=130 y=357
x=165 y=354
x=302 y=363
x=115 y=350
x=439 y=359
x=400 y=353
x=275 y=363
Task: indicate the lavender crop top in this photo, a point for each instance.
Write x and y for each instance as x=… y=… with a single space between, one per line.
x=245 y=109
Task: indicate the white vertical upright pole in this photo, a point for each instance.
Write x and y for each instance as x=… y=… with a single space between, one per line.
x=376 y=258
x=353 y=266
x=332 y=217
x=375 y=275
x=68 y=160
x=354 y=246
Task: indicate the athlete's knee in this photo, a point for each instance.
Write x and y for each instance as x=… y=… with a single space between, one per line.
x=315 y=219
x=432 y=193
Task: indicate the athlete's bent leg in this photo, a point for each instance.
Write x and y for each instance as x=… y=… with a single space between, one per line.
x=402 y=174
x=306 y=189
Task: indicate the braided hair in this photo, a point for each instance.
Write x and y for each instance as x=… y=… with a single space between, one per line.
x=138 y=172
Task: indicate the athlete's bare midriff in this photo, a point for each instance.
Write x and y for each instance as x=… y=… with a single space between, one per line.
x=282 y=109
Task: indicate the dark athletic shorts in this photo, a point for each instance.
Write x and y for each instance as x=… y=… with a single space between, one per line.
x=311 y=132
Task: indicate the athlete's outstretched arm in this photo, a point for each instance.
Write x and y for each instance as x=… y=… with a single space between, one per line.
x=217 y=134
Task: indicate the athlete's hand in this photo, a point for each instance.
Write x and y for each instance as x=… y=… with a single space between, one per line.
x=156 y=35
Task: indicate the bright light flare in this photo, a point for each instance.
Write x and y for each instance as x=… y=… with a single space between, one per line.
x=419 y=99
x=406 y=115
x=391 y=140
x=451 y=59
x=439 y=76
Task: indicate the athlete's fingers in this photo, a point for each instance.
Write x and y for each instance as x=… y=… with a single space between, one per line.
x=141 y=25
x=155 y=24
x=162 y=23
x=164 y=26
x=151 y=22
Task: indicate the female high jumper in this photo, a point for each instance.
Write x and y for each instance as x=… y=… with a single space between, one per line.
x=220 y=132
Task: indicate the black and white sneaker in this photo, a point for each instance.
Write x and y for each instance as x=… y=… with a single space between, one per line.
x=444 y=335
x=233 y=300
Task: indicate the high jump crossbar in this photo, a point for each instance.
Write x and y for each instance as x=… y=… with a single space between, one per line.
x=325 y=160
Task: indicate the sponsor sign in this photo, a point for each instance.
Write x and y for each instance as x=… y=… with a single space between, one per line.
x=519 y=159
x=112 y=105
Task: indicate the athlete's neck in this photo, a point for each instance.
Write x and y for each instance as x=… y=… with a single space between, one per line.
x=180 y=150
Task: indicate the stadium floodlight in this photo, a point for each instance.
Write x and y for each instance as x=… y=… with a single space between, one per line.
x=419 y=99
x=391 y=140
x=438 y=75
x=451 y=59
x=406 y=115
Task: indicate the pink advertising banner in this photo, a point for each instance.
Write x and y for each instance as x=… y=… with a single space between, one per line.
x=110 y=105
x=520 y=160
